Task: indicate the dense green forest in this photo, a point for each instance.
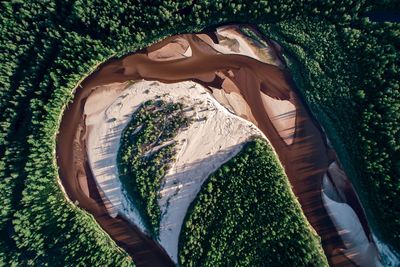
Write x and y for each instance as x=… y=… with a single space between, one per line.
x=346 y=66
x=146 y=152
x=247 y=215
x=349 y=76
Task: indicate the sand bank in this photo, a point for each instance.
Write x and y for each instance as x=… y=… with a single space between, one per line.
x=232 y=39
x=358 y=248
x=80 y=186
x=303 y=150
x=107 y=114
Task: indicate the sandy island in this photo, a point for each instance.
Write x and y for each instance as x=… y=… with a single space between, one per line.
x=246 y=76
x=107 y=114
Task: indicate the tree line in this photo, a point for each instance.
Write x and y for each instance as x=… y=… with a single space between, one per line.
x=246 y=215
x=47 y=46
x=348 y=74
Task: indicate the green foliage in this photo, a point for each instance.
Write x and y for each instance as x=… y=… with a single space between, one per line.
x=348 y=74
x=346 y=67
x=247 y=215
x=145 y=154
x=38 y=227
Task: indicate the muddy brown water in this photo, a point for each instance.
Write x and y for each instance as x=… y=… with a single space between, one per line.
x=305 y=161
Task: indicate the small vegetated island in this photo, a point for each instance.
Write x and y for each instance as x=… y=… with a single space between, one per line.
x=135 y=134
x=146 y=154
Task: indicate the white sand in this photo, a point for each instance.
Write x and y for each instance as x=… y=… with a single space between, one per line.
x=363 y=253
x=358 y=247
x=213 y=138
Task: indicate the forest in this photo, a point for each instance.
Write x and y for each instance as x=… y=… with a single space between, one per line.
x=345 y=65
x=145 y=154
x=247 y=215
x=349 y=78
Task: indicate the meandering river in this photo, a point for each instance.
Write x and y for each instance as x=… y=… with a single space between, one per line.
x=258 y=86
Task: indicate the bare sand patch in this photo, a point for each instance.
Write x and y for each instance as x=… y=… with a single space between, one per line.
x=198 y=154
x=178 y=48
x=235 y=103
x=358 y=248
x=232 y=40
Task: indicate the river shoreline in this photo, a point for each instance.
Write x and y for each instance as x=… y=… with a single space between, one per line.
x=306 y=157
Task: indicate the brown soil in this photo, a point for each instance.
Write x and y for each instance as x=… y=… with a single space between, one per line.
x=305 y=161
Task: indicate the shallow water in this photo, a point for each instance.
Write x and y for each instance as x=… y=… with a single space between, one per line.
x=306 y=157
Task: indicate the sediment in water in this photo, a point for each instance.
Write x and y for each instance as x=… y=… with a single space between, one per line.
x=306 y=157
